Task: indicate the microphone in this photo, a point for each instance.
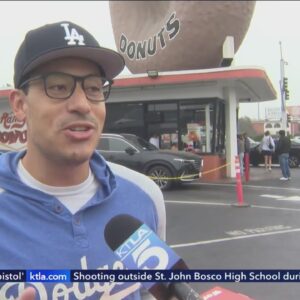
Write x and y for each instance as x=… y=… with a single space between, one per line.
x=138 y=247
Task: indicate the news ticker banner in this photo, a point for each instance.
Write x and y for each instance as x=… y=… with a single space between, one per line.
x=150 y=275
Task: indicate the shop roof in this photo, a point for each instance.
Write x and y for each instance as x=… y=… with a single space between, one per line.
x=251 y=83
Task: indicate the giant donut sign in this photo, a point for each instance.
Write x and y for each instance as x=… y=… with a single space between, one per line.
x=177 y=35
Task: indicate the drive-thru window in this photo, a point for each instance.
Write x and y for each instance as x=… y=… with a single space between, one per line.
x=178 y=122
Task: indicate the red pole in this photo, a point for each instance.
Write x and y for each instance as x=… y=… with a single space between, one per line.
x=247 y=166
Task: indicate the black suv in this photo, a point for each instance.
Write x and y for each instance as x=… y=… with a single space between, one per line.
x=165 y=167
x=256 y=156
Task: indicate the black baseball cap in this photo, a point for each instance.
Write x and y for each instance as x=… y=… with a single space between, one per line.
x=63 y=39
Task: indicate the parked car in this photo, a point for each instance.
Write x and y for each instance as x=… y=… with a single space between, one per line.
x=256 y=157
x=252 y=142
x=165 y=167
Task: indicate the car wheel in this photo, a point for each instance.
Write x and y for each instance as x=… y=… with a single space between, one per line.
x=158 y=173
x=293 y=161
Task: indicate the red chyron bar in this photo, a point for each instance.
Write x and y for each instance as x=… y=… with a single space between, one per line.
x=219 y=293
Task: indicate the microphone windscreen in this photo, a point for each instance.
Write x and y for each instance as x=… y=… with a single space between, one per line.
x=138 y=247
x=119 y=229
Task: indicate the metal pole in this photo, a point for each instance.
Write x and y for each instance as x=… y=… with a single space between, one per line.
x=283 y=108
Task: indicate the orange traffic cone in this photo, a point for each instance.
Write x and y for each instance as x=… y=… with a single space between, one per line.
x=239 y=186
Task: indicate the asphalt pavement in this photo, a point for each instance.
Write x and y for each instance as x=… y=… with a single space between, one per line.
x=209 y=230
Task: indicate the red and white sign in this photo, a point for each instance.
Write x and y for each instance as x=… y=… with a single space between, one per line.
x=13 y=134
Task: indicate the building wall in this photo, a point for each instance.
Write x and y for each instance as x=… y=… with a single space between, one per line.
x=274 y=126
x=258 y=126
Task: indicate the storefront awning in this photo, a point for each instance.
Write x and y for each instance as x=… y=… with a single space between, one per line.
x=250 y=83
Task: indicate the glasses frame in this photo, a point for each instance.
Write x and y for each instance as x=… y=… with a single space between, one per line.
x=76 y=79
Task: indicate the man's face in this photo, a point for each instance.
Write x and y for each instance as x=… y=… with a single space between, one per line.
x=63 y=131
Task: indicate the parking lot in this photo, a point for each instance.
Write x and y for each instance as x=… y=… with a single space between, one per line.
x=210 y=233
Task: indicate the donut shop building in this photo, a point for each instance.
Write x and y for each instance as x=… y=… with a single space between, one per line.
x=180 y=106
x=197 y=109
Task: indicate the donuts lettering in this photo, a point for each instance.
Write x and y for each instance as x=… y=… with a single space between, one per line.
x=142 y=49
x=177 y=35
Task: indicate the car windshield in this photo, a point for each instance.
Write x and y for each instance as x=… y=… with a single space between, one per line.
x=251 y=140
x=146 y=145
x=141 y=143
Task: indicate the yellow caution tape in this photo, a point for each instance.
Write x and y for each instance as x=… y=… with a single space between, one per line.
x=174 y=178
x=188 y=176
x=218 y=168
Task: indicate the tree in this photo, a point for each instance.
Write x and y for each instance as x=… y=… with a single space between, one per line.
x=245 y=125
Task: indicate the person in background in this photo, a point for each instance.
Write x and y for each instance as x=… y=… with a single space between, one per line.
x=268 y=147
x=247 y=143
x=154 y=140
x=57 y=196
x=247 y=155
x=174 y=147
x=283 y=149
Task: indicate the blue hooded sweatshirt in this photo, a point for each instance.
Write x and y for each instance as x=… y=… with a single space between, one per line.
x=38 y=232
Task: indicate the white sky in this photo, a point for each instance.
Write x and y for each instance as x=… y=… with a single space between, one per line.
x=272 y=21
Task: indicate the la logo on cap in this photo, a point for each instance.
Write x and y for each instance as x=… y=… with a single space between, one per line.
x=72 y=36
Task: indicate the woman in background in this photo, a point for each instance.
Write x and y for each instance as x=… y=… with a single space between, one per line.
x=268 y=147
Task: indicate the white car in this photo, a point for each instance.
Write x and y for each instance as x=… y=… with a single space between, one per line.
x=253 y=143
x=296 y=139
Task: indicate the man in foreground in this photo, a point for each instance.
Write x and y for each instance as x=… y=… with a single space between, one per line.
x=57 y=196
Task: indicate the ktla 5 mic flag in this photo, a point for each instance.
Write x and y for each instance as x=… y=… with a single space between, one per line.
x=219 y=293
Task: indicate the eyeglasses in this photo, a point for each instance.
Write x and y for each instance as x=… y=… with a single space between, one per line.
x=62 y=86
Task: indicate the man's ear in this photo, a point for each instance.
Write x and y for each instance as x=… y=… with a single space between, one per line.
x=17 y=104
